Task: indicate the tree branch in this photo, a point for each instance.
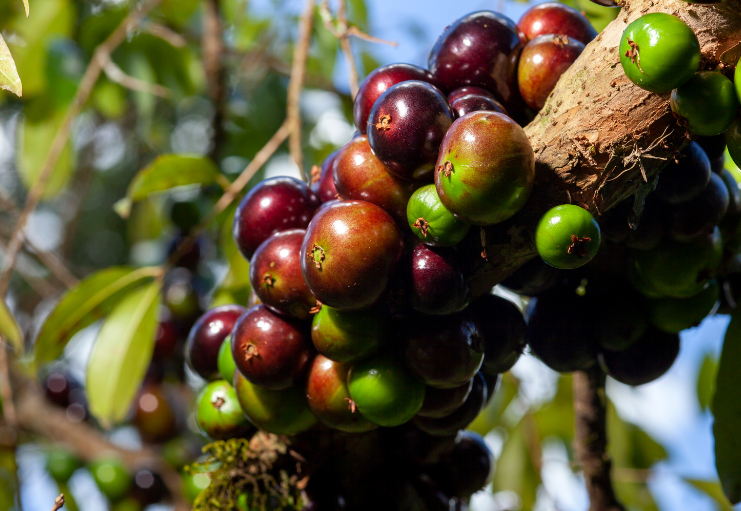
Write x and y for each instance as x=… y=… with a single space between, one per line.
x=116 y=74
x=212 y=47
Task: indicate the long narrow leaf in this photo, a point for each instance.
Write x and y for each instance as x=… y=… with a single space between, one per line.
x=9 y=79
x=9 y=329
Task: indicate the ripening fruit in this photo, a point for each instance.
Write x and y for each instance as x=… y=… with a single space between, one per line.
x=441 y=402
x=567 y=237
x=707 y=102
x=733 y=139
x=462 y=416
x=218 y=412
x=659 y=52
x=347 y=336
x=206 y=336
x=226 y=360
x=556 y=18
x=431 y=222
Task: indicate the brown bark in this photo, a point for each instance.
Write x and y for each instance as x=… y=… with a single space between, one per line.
x=599 y=132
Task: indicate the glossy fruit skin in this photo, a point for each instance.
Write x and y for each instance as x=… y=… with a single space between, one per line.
x=733 y=138
x=669 y=52
x=680 y=182
x=473 y=103
x=441 y=402
x=154 y=416
x=275 y=275
x=226 y=360
x=697 y=218
x=377 y=82
x=384 y=391
x=567 y=237
x=206 y=337
x=350 y=251
x=61 y=463
x=276 y=204
x=218 y=412
x=504 y=330
x=462 y=416
x=677 y=270
x=444 y=352
x=437 y=283
x=468 y=90
x=708 y=103
x=270 y=350
x=111 y=476
x=470 y=466
x=479 y=49
x=555 y=18
x=737 y=80
x=329 y=399
x=643 y=362
x=542 y=62
x=533 y=278
x=360 y=175
x=729 y=225
x=348 y=336
x=417 y=116
x=672 y=315
x=323 y=184
x=437 y=226
x=493 y=168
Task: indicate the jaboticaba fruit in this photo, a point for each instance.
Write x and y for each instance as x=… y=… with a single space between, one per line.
x=567 y=236
x=360 y=175
x=470 y=466
x=322 y=184
x=329 y=399
x=463 y=105
x=385 y=391
x=275 y=275
x=226 y=360
x=486 y=168
x=504 y=331
x=206 y=336
x=218 y=412
x=533 y=278
x=707 y=102
x=685 y=179
x=479 y=49
x=737 y=80
x=270 y=350
x=347 y=336
x=275 y=204
x=644 y=361
x=555 y=18
x=733 y=138
x=659 y=52
x=350 y=250
x=436 y=281
x=406 y=126
x=441 y=402
x=462 y=416
x=673 y=315
x=698 y=217
x=431 y=222
x=282 y=412
x=378 y=82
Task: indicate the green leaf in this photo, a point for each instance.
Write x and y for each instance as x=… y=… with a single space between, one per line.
x=9 y=328
x=630 y=446
x=25 y=4
x=515 y=470
x=706 y=381
x=166 y=172
x=713 y=490
x=727 y=411
x=37 y=138
x=121 y=355
x=89 y=301
x=634 y=495
x=9 y=79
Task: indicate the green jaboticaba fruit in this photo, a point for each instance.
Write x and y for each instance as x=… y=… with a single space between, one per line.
x=194 y=484
x=385 y=392
x=676 y=314
x=431 y=222
x=659 y=52
x=218 y=412
x=111 y=476
x=485 y=169
x=733 y=139
x=737 y=80
x=347 y=336
x=283 y=412
x=61 y=463
x=567 y=236
x=675 y=269
x=225 y=360
x=707 y=102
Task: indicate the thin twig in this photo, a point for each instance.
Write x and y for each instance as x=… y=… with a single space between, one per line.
x=84 y=90
x=298 y=73
x=116 y=74
x=164 y=33
x=212 y=49
x=355 y=32
x=58 y=502
x=40 y=285
x=347 y=48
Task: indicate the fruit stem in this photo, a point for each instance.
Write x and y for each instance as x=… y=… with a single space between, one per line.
x=590 y=441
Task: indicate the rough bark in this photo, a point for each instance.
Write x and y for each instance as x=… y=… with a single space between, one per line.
x=599 y=132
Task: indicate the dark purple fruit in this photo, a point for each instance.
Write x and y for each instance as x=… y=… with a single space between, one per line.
x=463 y=105
x=166 y=339
x=698 y=217
x=275 y=204
x=469 y=466
x=555 y=18
x=322 y=181
x=405 y=128
x=479 y=49
x=445 y=352
x=206 y=336
x=462 y=417
x=190 y=258
x=58 y=386
x=349 y=253
x=441 y=402
x=714 y=146
x=729 y=224
x=542 y=62
x=437 y=283
x=533 y=278
x=504 y=331
x=378 y=82
x=467 y=91
x=643 y=362
x=360 y=175
x=275 y=275
x=154 y=416
x=271 y=351
x=147 y=487
x=682 y=181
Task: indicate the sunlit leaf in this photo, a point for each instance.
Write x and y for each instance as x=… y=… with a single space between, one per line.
x=9 y=79
x=37 y=136
x=634 y=495
x=706 y=381
x=713 y=490
x=557 y=417
x=25 y=4
x=166 y=172
x=121 y=355
x=9 y=328
x=727 y=411
x=630 y=446
x=89 y=301
x=515 y=471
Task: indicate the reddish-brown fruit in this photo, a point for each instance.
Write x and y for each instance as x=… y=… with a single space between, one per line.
x=322 y=181
x=555 y=18
x=154 y=416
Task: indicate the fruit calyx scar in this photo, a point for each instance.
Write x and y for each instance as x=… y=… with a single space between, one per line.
x=634 y=55
x=446 y=168
x=578 y=245
x=317 y=255
x=384 y=123
x=422 y=225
